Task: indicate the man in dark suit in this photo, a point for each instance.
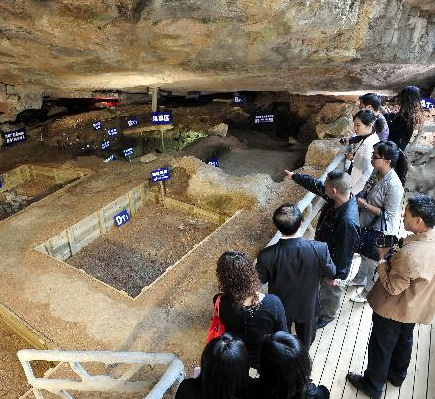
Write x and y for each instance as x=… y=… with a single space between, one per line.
x=294 y=267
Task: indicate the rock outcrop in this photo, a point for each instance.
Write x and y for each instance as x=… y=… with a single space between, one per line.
x=299 y=46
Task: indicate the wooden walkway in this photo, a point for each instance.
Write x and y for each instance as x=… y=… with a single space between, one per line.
x=342 y=346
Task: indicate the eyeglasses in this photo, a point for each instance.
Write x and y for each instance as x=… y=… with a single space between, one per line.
x=373 y=157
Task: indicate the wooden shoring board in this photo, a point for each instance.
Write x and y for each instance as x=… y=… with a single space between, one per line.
x=25 y=331
x=323 y=349
x=194 y=211
x=346 y=350
x=359 y=352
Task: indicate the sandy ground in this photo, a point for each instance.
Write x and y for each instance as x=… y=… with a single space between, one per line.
x=13 y=382
x=131 y=257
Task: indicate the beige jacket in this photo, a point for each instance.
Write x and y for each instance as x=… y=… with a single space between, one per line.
x=405 y=290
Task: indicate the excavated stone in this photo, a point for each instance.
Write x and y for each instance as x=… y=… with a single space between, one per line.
x=148 y=158
x=219 y=130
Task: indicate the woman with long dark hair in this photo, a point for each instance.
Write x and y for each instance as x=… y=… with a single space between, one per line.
x=383 y=193
x=285 y=369
x=243 y=309
x=224 y=372
x=410 y=116
x=361 y=167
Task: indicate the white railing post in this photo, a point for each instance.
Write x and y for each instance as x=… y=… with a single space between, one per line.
x=101 y=383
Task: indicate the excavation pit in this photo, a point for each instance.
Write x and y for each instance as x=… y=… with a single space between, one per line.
x=130 y=258
x=27 y=184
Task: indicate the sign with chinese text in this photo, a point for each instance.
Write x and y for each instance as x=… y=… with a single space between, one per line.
x=127 y=152
x=113 y=131
x=97 y=125
x=105 y=144
x=161 y=118
x=263 y=118
x=111 y=158
x=160 y=175
x=16 y=136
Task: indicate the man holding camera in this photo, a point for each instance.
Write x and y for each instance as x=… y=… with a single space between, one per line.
x=403 y=295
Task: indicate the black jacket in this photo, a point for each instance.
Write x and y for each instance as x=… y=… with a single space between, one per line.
x=293 y=267
x=400 y=131
x=338 y=227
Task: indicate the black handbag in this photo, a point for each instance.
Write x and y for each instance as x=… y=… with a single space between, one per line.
x=368 y=236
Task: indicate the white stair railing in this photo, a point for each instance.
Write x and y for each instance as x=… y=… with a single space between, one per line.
x=101 y=383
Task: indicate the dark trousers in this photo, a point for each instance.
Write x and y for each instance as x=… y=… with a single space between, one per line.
x=389 y=352
x=306 y=332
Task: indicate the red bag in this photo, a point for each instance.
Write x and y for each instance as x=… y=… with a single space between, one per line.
x=217 y=328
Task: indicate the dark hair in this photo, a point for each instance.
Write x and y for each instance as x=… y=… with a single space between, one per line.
x=410 y=106
x=423 y=206
x=224 y=368
x=390 y=151
x=340 y=180
x=365 y=116
x=285 y=366
x=237 y=276
x=287 y=219
x=371 y=99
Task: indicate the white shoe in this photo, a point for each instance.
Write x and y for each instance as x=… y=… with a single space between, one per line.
x=358 y=298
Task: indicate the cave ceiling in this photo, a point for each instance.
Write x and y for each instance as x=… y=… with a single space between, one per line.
x=219 y=45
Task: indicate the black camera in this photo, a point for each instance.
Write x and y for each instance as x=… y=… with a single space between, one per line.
x=387 y=241
x=342 y=140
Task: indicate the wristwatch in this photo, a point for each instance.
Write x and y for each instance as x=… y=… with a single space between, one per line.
x=381 y=261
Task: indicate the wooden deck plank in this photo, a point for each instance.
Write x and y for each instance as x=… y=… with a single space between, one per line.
x=407 y=387
x=431 y=361
x=422 y=365
x=330 y=369
x=328 y=336
x=355 y=325
x=359 y=354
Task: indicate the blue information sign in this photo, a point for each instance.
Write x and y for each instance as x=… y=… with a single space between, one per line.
x=213 y=162
x=428 y=103
x=111 y=158
x=113 y=131
x=239 y=99
x=15 y=136
x=160 y=175
x=127 y=152
x=161 y=118
x=121 y=218
x=97 y=125
x=132 y=121
x=263 y=118
x=105 y=144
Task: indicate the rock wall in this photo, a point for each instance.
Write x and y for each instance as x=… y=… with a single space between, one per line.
x=222 y=45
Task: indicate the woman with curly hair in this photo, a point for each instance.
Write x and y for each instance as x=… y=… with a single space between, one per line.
x=243 y=309
x=410 y=116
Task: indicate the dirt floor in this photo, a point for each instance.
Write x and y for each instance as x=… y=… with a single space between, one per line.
x=13 y=382
x=131 y=257
x=25 y=194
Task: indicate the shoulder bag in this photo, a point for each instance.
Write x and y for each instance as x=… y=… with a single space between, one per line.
x=217 y=327
x=368 y=236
